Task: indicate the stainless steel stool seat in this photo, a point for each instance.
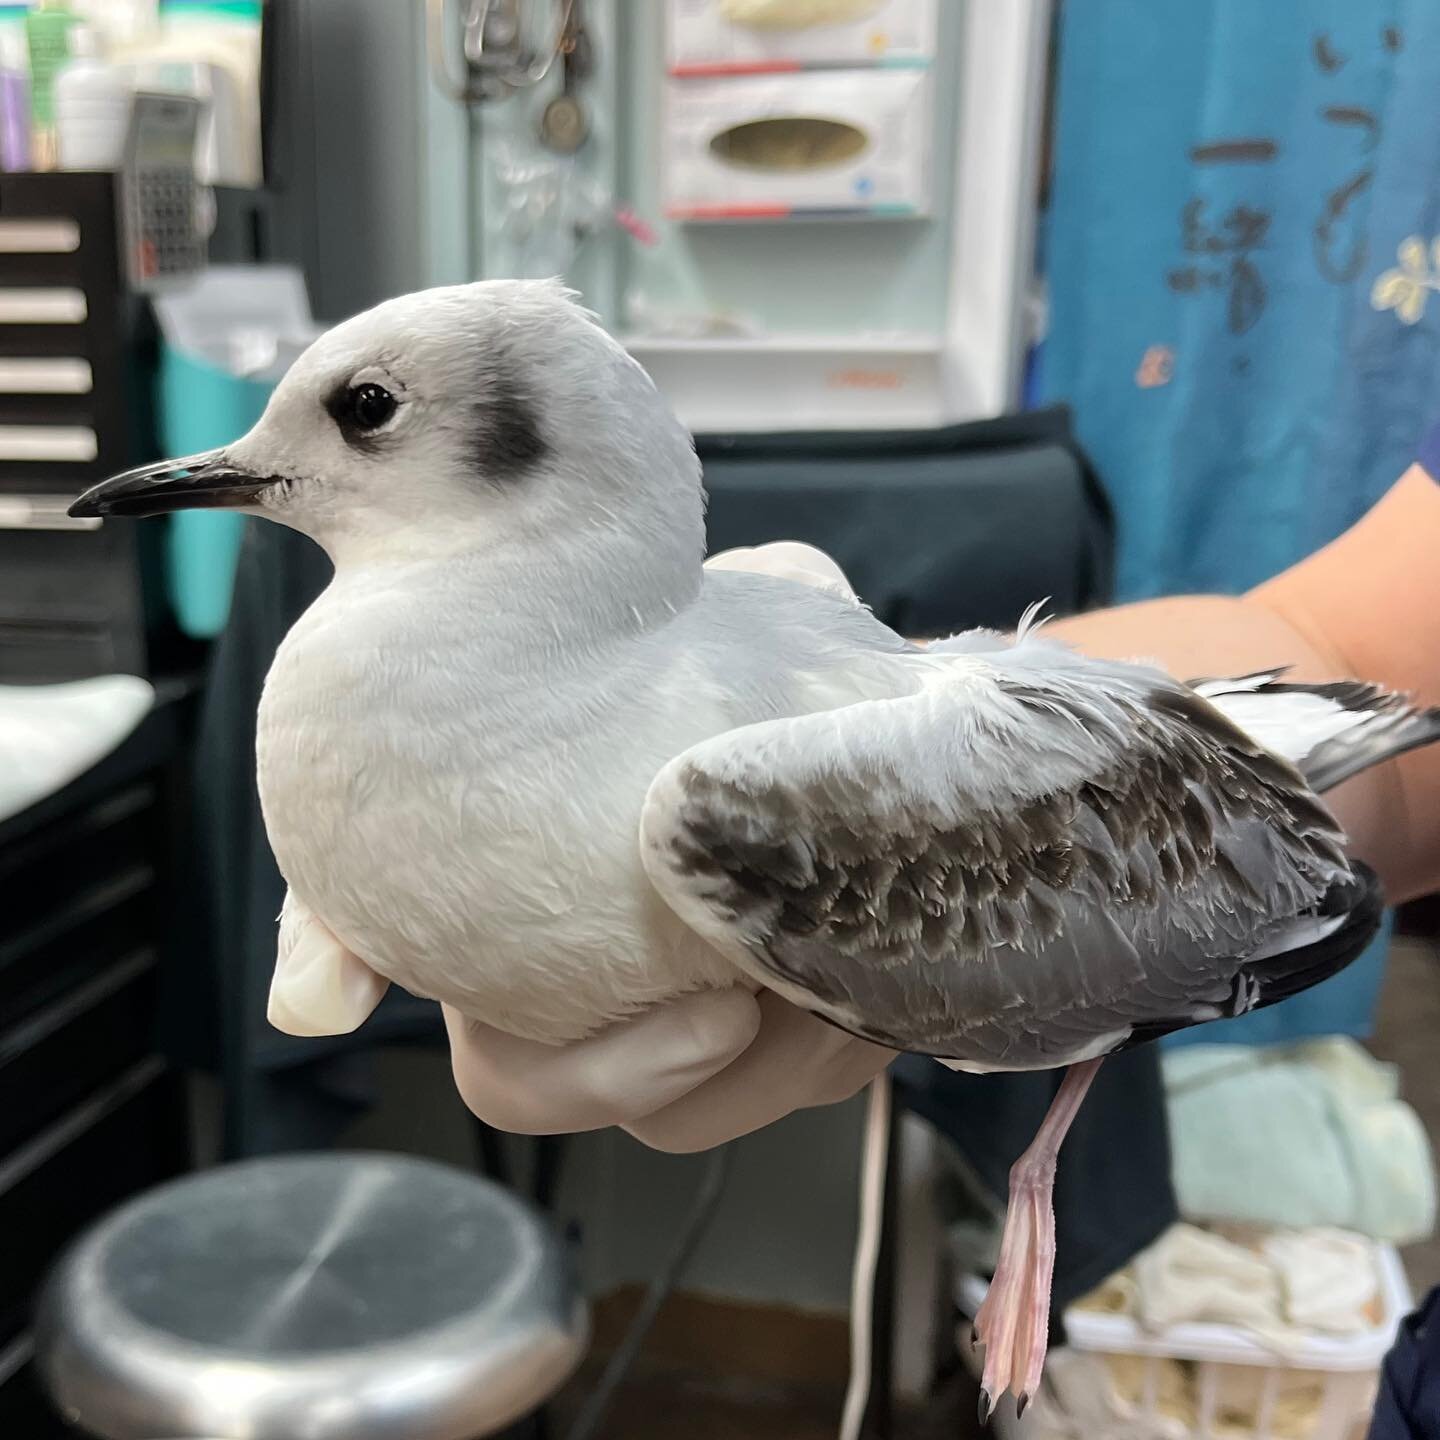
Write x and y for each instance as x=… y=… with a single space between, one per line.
x=313 y=1297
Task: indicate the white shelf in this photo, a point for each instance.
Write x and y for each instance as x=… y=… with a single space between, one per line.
x=808 y=382
x=783 y=344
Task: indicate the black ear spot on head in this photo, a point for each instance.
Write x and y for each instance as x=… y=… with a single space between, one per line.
x=508 y=441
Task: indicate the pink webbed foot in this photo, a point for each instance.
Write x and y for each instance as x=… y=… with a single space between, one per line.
x=1014 y=1322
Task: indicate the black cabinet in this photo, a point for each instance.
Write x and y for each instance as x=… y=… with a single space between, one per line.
x=72 y=396
x=89 y=1112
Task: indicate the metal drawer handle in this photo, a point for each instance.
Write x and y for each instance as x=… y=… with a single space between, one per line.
x=48 y=442
x=41 y=512
x=43 y=305
x=45 y=375
x=57 y=236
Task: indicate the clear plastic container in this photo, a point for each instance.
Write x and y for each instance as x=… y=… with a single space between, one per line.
x=1340 y=1371
x=227 y=340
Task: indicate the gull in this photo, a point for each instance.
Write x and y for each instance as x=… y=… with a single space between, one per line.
x=528 y=755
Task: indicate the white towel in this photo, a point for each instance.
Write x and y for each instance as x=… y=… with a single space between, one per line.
x=1282 y=1291
x=49 y=734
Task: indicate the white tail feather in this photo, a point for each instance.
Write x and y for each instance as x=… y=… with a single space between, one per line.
x=1329 y=732
x=1291 y=724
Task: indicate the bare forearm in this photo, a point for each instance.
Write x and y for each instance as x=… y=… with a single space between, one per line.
x=1367 y=606
x=1194 y=635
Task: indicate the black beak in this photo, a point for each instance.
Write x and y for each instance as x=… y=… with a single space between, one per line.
x=198 y=482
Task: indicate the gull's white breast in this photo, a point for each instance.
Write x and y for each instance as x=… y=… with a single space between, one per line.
x=457 y=794
x=468 y=827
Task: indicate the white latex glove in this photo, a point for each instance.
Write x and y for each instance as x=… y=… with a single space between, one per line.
x=789 y=560
x=689 y=1074
x=686 y=1075
x=319 y=987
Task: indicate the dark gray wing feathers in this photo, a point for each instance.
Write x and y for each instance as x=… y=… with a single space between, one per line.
x=1014 y=924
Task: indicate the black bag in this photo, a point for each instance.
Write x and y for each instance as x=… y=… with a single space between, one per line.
x=938 y=530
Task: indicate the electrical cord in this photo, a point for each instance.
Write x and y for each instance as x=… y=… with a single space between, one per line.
x=873 y=1165
x=697 y=1222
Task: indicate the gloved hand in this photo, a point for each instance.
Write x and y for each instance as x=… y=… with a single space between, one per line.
x=689 y=1074
x=686 y=1075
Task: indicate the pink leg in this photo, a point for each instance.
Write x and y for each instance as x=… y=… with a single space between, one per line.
x=1014 y=1322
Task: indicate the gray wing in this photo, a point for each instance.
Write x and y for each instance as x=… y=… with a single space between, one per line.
x=1029 y=860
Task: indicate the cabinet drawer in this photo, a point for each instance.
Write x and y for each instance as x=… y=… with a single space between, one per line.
x=104 y=925
x=69 y=1048
x=70 y=574
x=116 y=1143
x=70 y=600
x=39 y=652
x=43 y=872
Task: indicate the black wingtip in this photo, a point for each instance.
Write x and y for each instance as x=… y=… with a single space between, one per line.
x=1358 y=896
x=1361 y=899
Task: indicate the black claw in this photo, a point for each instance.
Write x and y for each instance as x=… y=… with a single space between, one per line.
x=1020 y=1405
x=987 y=1406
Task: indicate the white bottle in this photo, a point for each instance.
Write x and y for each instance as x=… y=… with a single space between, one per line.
x=119 y=22
x=92 y=107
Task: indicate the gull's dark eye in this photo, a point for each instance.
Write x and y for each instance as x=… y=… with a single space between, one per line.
x=369 y=406
x=360 y=410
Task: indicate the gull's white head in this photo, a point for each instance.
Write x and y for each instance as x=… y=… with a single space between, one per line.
x=493 y=417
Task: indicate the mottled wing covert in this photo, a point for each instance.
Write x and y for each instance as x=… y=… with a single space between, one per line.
x=1028 y=860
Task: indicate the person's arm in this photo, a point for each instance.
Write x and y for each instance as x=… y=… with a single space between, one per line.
x=1367 y=606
